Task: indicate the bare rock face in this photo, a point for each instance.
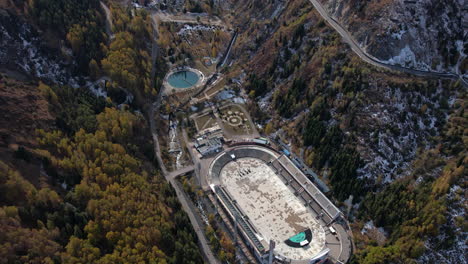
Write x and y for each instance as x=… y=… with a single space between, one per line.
x=23 y=50
x=422 y=34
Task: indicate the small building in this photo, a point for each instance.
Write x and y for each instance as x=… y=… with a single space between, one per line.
x=262 y=141
x=209 y=146
x=209 y=141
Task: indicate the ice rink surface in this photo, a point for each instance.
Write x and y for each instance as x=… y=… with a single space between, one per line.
x=271 y=206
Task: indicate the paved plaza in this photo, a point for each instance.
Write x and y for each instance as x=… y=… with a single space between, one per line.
x=271 y=206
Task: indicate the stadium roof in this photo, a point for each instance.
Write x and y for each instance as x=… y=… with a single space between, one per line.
x=318 y=196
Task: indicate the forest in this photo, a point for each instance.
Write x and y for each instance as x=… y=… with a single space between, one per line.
x=411 y=211
x=114 y=208
x=99 y=196
x=125 y=57
x=81 y=23
x=128 y=59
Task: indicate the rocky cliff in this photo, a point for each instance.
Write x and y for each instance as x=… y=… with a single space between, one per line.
x=424 y=34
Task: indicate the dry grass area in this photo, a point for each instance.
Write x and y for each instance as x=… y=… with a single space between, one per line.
x=206 y=69
x=262 y=59
x=232 y=114
x=182 y=98
x=23 y=109
x=205 y=121
x=211 y=91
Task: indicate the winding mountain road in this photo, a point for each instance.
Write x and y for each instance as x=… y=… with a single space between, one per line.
x=171 y=176
x=177 y=173
x=372 y=60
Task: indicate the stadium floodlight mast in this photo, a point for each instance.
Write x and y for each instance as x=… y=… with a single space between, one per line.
x=270 y=253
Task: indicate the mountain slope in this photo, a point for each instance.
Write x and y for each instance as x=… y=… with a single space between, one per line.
x=366 y=130
x=426 y=35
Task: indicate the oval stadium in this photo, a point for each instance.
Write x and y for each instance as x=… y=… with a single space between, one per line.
x=272 y=204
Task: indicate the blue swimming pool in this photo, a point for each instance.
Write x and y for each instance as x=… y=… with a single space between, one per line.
x=183 y=79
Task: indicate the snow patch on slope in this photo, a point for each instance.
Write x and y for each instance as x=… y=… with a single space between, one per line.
x=22 y=49
x=451 y=234
x=394 y=130
x=407 y=58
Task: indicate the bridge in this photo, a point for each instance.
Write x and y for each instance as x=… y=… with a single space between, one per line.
x=182 y=171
